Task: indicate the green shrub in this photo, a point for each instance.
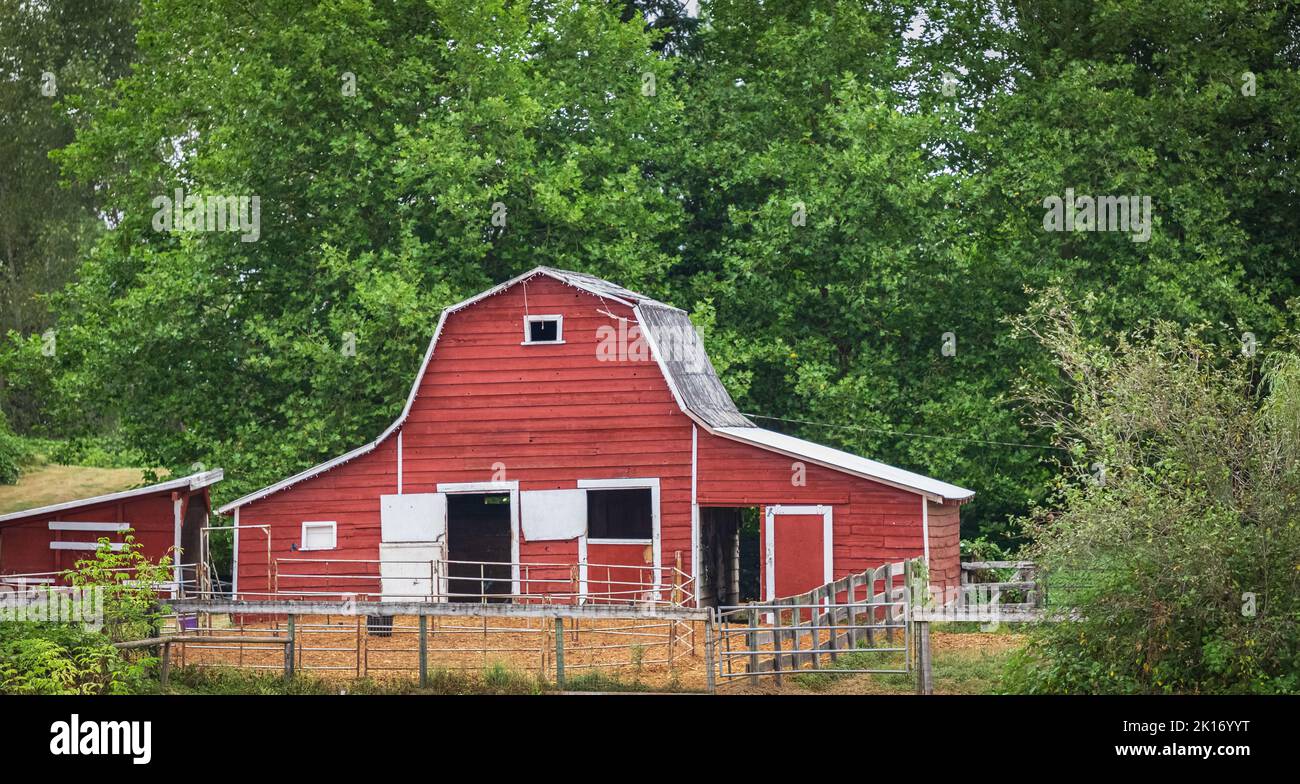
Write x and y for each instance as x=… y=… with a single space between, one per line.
x=68 y=658
x=13 y=454
x=1173 y=536
x=100 y=452
x=48 y=658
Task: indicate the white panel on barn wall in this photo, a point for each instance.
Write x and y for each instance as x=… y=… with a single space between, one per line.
x=413 y=517
x=550 y=515
x=406 y=570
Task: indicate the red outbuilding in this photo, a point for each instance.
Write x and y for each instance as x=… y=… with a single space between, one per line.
x=41 y=543
x=565 y=431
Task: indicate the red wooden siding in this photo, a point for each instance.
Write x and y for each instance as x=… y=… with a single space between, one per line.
x=546 y=416
x=25 y=543
x=348 y=496
x=945 y=544
x=872 y=523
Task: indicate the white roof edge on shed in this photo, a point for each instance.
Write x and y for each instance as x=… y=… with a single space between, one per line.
x=847 y=462
x=193 y=482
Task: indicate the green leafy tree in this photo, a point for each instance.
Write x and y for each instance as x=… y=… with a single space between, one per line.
x=52 y=54
x=405 y=155
x=916 y=144
x=12 y=454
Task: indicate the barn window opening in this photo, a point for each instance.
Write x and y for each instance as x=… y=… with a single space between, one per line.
x=319 y=536
x=620 y=515
x=543 y=329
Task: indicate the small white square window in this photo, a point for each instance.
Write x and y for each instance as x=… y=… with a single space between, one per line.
x=543 y=329
x=319 y=536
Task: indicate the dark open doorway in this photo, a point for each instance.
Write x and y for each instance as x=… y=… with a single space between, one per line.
x=478 y=547
x=196 y=516
x=728 y=555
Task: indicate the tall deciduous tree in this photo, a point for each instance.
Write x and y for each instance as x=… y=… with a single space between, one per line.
x=51 y=55
x=404 y=155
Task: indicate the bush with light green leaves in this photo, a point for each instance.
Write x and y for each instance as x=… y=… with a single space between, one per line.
x=1173 y=538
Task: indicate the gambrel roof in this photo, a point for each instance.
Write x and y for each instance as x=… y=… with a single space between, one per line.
x=692 y=379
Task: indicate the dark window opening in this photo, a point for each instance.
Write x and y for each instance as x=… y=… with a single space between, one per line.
x=619 y=514
x=544 y=331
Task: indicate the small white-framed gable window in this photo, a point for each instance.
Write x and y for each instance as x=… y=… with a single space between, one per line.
x=319 y=536
x=543 y=329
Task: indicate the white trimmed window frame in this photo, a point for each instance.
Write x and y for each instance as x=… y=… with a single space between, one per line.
x=559 y=330
x=334 y=535
x=651 y=483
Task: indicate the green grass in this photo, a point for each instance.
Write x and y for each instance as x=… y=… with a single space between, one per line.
x=957 y=670
x=495 y=679
x=600 y=681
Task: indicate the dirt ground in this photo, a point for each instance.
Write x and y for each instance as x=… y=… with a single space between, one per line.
x=630 y=651
x=635 y=651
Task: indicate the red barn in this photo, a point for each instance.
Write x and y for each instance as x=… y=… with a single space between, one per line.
x=565 y=430
x=50 y=539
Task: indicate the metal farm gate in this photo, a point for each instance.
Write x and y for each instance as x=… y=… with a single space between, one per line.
x=857 y=624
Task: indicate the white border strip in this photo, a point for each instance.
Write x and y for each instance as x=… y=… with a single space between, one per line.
x=193 y=482
x=91 y=546
x=109 y=527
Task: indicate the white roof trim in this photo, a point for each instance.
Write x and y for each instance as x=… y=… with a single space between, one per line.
x=191 y=482
x=766 y=439
x=415 y=385
x=822 y=455
x=847 y=462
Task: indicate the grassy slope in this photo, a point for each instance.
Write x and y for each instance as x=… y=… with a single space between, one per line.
x=52 y=484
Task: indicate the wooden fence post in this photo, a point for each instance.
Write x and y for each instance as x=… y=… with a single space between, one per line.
x=751 y=644
x=677 y=579
x=815 y=627
x=776 y=644
x=288 y=651
x=853 y=612
x=559 y=652
x=424 y=651
x=924 y=673
x=709 y=684
x=166 y=665
x=834 y=645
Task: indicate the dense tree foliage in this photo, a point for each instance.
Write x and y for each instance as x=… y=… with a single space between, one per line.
x=404 y=156
x=52 y=56
x=849 y=197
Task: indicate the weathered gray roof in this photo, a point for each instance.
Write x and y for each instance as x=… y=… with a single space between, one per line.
x=677 y=346
x=687 y=363
x=593 y=284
